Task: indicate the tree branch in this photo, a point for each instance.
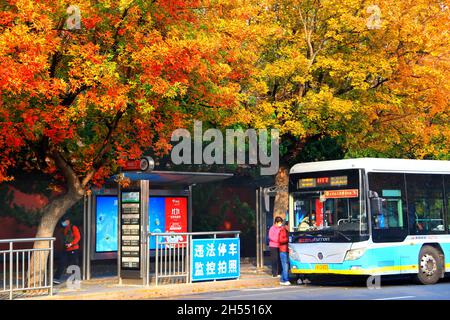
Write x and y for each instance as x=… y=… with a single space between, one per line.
x=72 y=180
x=97 y=161
x=379 y=83
x=70 y=97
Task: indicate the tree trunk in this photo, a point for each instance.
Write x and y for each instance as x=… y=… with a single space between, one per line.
x=281 y=197
x=54 y=211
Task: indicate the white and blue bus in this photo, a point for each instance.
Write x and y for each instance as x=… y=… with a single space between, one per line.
x=370 y=217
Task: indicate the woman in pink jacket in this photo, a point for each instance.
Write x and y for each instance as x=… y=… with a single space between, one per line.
x=274 y=244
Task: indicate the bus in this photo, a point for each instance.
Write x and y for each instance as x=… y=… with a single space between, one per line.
x=370 y=217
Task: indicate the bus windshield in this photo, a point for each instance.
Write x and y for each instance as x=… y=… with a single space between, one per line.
x=334 y=211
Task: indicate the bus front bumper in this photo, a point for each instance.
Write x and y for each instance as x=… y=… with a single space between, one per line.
x=349 y=269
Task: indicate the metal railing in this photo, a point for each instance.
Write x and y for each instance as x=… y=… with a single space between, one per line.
x=26 y=269
x=172 y=254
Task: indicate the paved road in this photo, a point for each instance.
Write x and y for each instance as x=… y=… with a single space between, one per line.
x=390 y=289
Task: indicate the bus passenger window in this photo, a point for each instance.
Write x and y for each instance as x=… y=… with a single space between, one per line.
x=391 y=222
x=447 y=195
x=425 y=203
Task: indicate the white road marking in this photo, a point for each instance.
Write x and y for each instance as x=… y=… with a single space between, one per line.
x=263 y=293
x=262 y=289
x=396 y=298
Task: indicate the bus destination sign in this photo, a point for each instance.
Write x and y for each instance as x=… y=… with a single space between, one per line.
x=337 y=194
x=322 y=182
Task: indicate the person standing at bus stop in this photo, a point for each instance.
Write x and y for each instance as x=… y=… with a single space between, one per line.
x=284 y=254
x=274 y=244
x=71 y=251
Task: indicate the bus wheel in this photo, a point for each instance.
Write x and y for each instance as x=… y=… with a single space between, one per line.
x=430 y=265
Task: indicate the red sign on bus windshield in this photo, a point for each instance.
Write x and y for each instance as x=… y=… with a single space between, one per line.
x=324 y=180
x=347 y=193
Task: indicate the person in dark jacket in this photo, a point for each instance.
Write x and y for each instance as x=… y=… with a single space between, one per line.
x=71 y=253
x=284 y=254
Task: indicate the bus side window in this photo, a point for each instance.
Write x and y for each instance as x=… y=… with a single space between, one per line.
x=390 y=220
x=425 y=202
x=447 y=196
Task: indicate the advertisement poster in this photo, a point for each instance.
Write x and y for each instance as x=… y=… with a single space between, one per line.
x=156 y=218
x=176 y=217
x=106 y=224
x=167 y=214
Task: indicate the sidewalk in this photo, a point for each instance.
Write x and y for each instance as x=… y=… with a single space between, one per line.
x=109 y=288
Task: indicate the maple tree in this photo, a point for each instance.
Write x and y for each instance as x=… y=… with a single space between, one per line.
x=371 y=74
x=80 y=98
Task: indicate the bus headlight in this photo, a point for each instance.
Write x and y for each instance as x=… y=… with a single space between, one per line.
x=354 y=254
x=294 y=255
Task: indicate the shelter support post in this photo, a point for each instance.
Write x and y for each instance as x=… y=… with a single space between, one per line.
x=260 y=229
x=87 y=245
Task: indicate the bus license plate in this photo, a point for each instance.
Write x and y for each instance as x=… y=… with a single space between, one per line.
x=321 y=267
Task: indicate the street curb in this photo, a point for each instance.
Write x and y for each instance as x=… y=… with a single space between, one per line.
x=170 y=290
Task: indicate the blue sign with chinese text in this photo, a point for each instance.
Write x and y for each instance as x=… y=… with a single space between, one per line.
x=214 y=259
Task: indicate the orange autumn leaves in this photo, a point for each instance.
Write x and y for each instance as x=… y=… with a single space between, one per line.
x=133 y=72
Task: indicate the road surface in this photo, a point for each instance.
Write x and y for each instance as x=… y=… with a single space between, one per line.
x=390 y=289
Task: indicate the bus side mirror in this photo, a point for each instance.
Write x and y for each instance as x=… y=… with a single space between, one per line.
x=376 y=206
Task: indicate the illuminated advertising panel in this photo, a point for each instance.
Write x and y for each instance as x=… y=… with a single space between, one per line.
x=166 y=214
x=106 y=224
x=156 y=218
x=176 y=214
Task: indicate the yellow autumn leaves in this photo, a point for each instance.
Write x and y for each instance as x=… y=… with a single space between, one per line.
x=327 y=71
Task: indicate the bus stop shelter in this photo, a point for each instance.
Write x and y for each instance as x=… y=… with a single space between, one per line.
x=161 y=193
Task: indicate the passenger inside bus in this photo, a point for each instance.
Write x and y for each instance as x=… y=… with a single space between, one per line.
x=313 y=218
x=415 y=225
x=304 y=224
x=313 y=224
x=308 y=224
x=328 y=217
